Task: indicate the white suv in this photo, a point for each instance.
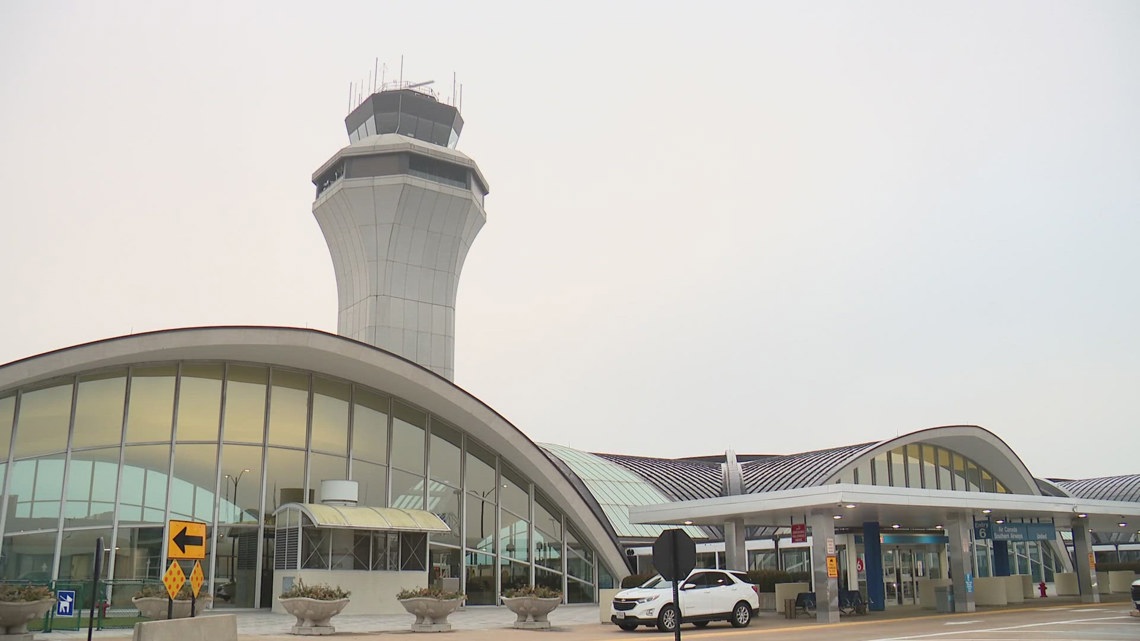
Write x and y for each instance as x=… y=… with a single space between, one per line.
x=705 y=595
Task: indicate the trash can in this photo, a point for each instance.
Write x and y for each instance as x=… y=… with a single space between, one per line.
x=944 y=598
x=789 y=608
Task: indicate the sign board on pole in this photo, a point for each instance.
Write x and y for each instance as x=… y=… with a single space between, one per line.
x=674 y=554
x=196 y=579
x=186 y=540
x=799 y=533
x=65 y=603
x=174 y=579
x=832 y=567
x=830 y=545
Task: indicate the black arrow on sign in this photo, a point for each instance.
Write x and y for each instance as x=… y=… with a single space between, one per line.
x=184 y=540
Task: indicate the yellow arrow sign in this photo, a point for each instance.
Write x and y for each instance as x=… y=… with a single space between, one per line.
x=186 y=540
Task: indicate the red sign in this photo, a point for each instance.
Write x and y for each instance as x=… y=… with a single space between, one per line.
x=859 y=565
x=799 y=533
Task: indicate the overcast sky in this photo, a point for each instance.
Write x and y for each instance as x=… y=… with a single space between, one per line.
x=770 y=227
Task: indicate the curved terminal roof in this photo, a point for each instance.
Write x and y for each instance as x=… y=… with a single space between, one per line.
x=681 y=479
x=1105 y=488
x=798 y=470
x=342 y=358
x=616 y=489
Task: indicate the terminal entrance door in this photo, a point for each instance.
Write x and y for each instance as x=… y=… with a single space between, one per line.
x=904 y=567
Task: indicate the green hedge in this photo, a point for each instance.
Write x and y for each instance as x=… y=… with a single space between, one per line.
x=1114 y=566
x=767 y=579
x=634 y=580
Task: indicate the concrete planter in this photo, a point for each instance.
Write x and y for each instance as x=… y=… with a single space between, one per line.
x=926 y=592
x=431 y=614
x=1014 y=593
x=785 y=591
x=155 y=607
x=532 y=611
x=1065 y=584
x=16 y=615
x=990 y=590
x=606 y=603
x=1119 y=582
x=312 y=614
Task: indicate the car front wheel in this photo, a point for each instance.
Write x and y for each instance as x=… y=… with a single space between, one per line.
x=668 y=619
x=628 y=627
x=741 y=615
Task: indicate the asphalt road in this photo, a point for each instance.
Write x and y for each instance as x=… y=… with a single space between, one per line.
x=1107 y=622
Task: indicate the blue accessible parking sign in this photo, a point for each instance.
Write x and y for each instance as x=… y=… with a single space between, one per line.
x=65 y=603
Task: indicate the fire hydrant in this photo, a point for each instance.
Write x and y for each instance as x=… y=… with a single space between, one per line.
x=1041 y=588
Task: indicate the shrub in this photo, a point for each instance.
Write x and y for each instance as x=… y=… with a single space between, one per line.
x=151 y=590
x=1116 y=566
x=634 y=580
x=320 y=592
x=540 y=591
x=25 y=593
x=430 y=592
x=766 y=580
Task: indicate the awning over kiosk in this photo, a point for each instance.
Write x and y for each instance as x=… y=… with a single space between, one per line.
x=389 y=519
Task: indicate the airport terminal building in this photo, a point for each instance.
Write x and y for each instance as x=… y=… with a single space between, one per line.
x=238 y=427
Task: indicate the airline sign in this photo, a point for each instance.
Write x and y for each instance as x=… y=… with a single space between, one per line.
x=1014 y=531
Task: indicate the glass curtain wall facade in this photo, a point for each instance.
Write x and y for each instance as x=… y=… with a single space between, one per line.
x=118 y=453
x=922 y=465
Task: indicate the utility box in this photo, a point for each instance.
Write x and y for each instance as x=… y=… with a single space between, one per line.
x=944 y=598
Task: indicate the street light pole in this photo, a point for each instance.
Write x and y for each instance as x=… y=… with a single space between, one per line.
x=237 y=519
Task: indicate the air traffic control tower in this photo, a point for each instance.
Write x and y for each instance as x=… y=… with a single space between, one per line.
x=399 y=208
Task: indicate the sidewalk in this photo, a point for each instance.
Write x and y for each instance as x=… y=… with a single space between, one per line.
x=577 y=622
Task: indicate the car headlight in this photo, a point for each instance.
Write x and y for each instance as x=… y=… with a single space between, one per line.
x=647 y=599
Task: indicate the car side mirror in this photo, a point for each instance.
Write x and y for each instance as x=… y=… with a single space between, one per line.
x=688 y=586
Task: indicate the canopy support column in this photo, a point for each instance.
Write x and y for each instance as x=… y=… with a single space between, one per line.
x=1084 y=561
x=958 y=528
x=823 y=547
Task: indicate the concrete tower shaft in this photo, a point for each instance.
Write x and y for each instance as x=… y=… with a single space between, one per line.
x=399 y=213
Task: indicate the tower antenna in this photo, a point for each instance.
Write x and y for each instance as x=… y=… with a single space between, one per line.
x=453 y=75
x=376 y=74
x=401 y=70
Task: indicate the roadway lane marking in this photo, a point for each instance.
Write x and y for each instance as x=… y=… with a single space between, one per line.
x=957 y=633
x=963 y=622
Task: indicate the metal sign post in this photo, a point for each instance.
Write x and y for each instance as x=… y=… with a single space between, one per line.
x=95 y=584
x=675 y=555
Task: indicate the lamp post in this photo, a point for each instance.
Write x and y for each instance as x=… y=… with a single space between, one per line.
x=237 y=518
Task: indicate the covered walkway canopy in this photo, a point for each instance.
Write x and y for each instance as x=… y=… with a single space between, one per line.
x=914 y=508
x=864 y=507
x=388 y=519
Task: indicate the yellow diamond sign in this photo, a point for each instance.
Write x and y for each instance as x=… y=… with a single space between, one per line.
x=196 y=579
x=174 y=579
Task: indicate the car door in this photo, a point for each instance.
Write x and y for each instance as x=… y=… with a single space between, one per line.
x=720 y=593
x=694 y=595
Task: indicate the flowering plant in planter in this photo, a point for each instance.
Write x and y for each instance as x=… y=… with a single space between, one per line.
x=21 y=604
x=430 y=592
x=540 y=591
x=532 y=604
x=152 y=601
x=18 y=593
x=431 y=605
x=313 y=605
x=158 y=591
x=320 y=592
